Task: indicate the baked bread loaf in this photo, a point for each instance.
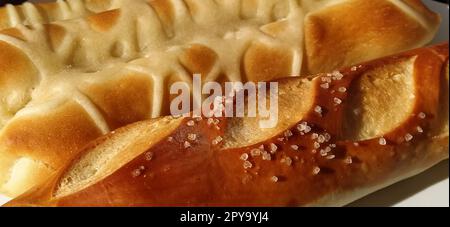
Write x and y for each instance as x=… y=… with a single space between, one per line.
x=373 y=125
x=66 y=83
x=39 y=13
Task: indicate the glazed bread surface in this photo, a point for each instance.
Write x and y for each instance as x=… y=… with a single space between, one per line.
x=39 y=13
x=373 y=125
x=65 y=83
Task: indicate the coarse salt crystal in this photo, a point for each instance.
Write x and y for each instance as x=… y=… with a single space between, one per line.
x=247 y=165
x=337 y=101
x=408 y=137
x=422 y=115
x=273 y=148
x=255 y=152
x=192 y=136
x=266 y=156
x=149 y=156
x=325 y=85
x=274 y=179
x=419 y=129
x=316 y=170
x=318 y=109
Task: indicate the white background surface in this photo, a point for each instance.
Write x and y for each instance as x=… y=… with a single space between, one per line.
x=430 y=188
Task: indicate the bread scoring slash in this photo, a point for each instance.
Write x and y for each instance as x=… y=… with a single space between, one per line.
x=312 y=158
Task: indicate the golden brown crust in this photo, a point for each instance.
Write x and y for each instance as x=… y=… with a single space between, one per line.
x=3 y=14
x=198 y=59
x=56 y=35
x=208 y=174
x=333 y=29
x=38 y=13
x=104 y=21
x=38 y=136
x=13 y=32
x=265 y=63
x=165 y=41
x=17 y=80
x=113 y=99
x=165 y=11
